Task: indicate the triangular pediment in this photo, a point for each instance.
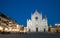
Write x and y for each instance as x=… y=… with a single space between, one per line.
x=37 y=12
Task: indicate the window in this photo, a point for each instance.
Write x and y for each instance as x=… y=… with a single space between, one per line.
x=36 y=18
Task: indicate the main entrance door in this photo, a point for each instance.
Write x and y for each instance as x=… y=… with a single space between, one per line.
x=36 y=29
x=29 y=30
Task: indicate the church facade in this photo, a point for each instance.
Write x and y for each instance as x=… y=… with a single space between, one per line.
x=37 y=24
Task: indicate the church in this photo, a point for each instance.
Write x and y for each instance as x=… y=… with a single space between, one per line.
x=36 y=23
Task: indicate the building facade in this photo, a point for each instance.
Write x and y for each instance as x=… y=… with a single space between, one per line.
x=37 y=24
x=6 y=22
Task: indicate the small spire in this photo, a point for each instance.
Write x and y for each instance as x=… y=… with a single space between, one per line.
x=31 y=14
x=45 y=16
x=27 y=20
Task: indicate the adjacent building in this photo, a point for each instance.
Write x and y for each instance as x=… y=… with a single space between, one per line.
x=55 y=28
x=9 y=25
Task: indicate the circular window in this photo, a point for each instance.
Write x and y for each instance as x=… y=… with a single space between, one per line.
x=36 y=18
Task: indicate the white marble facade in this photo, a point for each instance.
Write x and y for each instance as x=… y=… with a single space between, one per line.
x=37 y=24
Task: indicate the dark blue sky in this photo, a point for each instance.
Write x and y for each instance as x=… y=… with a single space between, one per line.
x=20 y=10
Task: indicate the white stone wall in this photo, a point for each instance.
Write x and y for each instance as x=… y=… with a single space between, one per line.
x=41 y=24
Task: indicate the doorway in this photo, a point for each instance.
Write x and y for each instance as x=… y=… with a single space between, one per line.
x=36 y=29
x=44 y=29
x=29 y=30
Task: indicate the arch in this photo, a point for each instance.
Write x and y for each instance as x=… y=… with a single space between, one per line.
x=36 y=29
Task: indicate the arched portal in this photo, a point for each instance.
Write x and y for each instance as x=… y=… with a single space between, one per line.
x=36 y=29
x=44 y=30
x=29 y=30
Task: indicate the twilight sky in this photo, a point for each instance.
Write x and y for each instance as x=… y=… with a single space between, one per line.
x=20 y=10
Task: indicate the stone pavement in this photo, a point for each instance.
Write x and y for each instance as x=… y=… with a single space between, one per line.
x=31 y=35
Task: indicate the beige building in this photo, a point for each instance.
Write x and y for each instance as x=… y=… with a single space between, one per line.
x=54 y=29
x=6 y=22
